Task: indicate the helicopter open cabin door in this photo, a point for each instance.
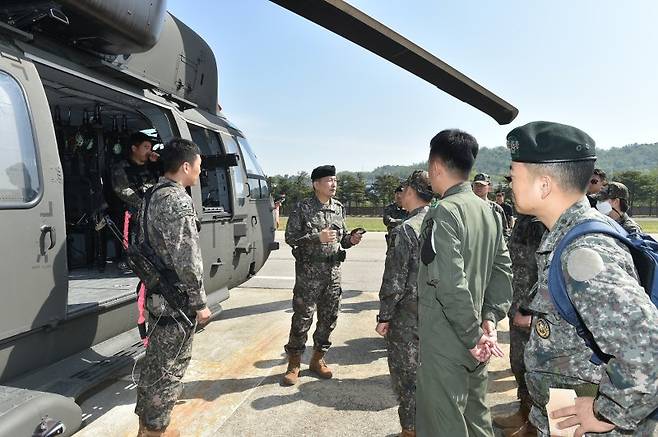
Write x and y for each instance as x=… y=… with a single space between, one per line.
x=33 y=270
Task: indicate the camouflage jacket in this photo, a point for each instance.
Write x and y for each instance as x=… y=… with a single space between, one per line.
x=523 y=244
x=130 y=181
x=398 y=295
x=307 y=220
x=602 y=283
x=507 y=229
x=393 y=216
x=629 y=224
x=173 y=231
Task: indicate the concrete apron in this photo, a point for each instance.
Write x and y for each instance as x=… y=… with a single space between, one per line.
x=232 y=385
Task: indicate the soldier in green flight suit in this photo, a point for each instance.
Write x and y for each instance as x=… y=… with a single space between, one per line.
x=464 y=290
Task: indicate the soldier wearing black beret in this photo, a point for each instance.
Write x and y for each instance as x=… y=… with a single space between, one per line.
x=551 y=168
x=394 y=214
x=317 y=233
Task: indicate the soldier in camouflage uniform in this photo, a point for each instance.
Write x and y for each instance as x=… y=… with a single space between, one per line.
x=394 y=214
x=523 y=244
x=551 y=166
x=316 y=231
x=612 y=201
x=481 y=188
x=173 y=231
x=398 y=311
x=131 y=177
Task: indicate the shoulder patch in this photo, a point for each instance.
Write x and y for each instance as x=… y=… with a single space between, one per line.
x=584 y=264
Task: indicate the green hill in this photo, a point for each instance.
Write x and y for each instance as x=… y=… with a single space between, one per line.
x=495 y=161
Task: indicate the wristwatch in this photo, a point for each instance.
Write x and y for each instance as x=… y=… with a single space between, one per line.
x=380 y=320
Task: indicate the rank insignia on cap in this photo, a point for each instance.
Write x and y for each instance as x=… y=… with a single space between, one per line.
x=513 y=145
x=542 y=328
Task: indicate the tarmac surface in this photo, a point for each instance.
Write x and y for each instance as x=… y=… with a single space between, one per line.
x=232 y=385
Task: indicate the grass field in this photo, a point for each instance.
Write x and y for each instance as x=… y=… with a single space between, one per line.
x=375 y=224
x=648 y=225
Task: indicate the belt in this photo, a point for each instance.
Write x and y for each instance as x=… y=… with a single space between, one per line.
x=325 y=259
x=168 y=320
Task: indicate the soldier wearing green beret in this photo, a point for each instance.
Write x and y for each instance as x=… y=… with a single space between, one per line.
x=612 y=201
x=464 y=290
x=551 y=168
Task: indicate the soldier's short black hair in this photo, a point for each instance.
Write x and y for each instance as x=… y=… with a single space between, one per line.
x=572 y=176
x=600 y=173
x=176 y=152
x=456 y=149
x=138 y=138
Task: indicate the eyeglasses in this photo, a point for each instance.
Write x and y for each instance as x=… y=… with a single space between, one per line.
x=594 y=181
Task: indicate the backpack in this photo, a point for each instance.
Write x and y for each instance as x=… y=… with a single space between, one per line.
x=644 y=250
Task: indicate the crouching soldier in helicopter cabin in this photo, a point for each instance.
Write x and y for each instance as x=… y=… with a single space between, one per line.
x=316 y=231
x=398 y=311
x=171 y=225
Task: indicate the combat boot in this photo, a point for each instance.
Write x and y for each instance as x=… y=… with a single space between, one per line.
x=516 y=420
x=160 y=433
x=408 y=433
x=526 y=430
x=292 y=374
x=318 y=365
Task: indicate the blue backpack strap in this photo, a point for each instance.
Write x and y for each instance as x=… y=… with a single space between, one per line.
x=558 y=288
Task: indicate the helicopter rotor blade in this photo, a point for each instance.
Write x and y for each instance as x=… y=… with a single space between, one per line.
x=349 y=22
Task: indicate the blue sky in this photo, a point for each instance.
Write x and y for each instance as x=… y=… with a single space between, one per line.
x=306 y=97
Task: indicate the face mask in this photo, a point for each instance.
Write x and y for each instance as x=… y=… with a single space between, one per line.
x=604 y=207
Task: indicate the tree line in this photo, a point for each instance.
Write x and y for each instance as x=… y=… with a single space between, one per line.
x=636 y=166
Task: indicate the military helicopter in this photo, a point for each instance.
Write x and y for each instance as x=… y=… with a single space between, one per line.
x=77 y=77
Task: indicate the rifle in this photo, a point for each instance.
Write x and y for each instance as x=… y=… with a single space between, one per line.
x=147 y=266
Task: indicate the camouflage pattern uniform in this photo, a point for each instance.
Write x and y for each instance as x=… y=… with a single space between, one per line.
x=399 y=306
x=317 y=271
x=629 y=224
x=523 y=244
x=507 y=229
x=393 y=216
x=173 y=231
x=602 y=282
x=130 y=181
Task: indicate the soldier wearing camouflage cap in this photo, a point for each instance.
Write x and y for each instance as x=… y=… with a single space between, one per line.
x=551 y=167
x=612 y=201
x=481 y=188
x=398 y=310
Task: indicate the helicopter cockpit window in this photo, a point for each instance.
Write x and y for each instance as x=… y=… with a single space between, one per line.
x=20 y=183
x=240 y=178
x=213 y=180
x=255 y=174
x=250 y=161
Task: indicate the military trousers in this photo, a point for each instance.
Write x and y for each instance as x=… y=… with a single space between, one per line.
x=450 y=399
x=518 y=340
x=402 y=342
x=167 y=356
x=317 y=285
